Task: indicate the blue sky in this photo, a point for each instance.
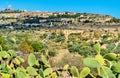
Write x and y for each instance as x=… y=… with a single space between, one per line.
x=109 y=7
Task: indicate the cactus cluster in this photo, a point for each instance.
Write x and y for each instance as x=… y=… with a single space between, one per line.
x=107 y=66
x=11 y=66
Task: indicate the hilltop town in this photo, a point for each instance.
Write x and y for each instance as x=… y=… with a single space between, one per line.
x=17 y=19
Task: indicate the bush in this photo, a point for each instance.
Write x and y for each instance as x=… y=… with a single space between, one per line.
x=105 y=51
x=52 y=53
x=111 y=46
x=37 y=46
x=117 y=50
x=25 y=47
x=43 y=36
x=4 y=44
x=60 y=37
x=80 y=49
x=53 y=35
x=5 y=47
x=70 y=59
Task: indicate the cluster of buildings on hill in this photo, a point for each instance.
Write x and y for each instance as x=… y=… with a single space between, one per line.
x=21 y=19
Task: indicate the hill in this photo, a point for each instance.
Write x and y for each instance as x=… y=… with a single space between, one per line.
x=24 y=19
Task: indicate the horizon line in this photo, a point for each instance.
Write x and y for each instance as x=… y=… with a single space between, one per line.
x=61 y=11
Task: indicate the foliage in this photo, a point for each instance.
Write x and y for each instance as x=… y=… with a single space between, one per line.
x=25 y=47
x=69 y=59
x=11 y=66
x=74 y=71
x=91 y=62
x=66 y=15
x=103 y=64
x=60 y=37
x=37 y=46
x=81 y=49
x=31 y=60
x=52 y=53
x=101 y=59
x=84 y=72
x=53 y=35
x=117 y=50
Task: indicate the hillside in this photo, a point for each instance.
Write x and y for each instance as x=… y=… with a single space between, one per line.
x=58 y=51
x=24 y=19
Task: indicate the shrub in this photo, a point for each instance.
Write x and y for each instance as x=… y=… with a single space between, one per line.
x=105 y=51
x=111 y=46
x=70 y=59
x=80 y=49
x=52 y=53
x=37 y=46
x=60 y=37
x=43 y=36
x=25 y=47
x=5 y=47
x=53 y=35
x=117 y=50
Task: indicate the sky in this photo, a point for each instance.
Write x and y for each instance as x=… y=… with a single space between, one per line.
x=109 y=7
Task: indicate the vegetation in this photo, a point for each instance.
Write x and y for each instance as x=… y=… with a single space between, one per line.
x=25 y=47
x=11 y=11
x=55 y=53
x=66 y=15
x=37 y=46
x=11 y=66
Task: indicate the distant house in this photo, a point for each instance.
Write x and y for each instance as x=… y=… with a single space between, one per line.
x=42 y=20
x=11 y=27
